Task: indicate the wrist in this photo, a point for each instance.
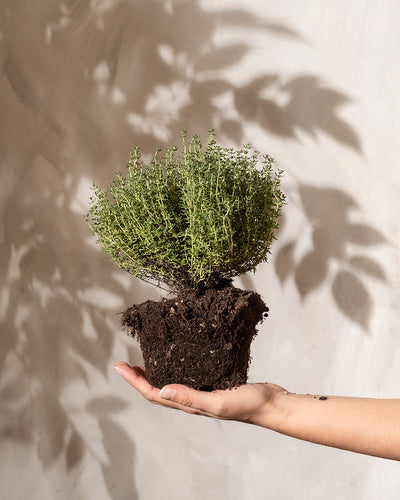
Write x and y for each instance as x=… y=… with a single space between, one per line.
x=274 y=411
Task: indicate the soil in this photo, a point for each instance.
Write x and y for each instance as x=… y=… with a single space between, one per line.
x=198 y=339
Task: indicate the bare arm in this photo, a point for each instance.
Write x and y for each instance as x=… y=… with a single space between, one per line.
x=370 y=426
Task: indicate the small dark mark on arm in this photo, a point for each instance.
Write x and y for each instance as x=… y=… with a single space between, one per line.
x=321 y=398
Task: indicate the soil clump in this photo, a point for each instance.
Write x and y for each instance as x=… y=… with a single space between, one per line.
x=198 y=339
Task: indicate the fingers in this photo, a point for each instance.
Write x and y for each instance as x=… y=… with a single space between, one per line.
x=136 y=377
x=174 y=395
x=205 y=402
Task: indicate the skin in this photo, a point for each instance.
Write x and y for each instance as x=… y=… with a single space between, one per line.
x=369 y=426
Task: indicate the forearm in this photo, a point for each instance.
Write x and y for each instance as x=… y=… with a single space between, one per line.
x=370 y=426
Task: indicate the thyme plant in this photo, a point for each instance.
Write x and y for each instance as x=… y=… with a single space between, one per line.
x=193 y=218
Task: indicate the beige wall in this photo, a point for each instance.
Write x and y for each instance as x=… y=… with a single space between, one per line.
x=315 y=84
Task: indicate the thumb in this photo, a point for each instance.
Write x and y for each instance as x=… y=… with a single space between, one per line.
x=167 y=393
x=187 y=397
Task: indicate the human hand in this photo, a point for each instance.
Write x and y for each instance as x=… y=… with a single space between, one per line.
x=251 y=403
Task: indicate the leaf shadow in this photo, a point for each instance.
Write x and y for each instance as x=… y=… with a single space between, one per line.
x=298 y=104
x=331 y=258
x=118 y=470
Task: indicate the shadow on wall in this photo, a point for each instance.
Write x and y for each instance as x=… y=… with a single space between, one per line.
x=118 y=470
x=82 y=83
x=301 y=104
x=330 y=215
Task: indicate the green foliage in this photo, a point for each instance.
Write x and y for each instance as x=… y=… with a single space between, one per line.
x=192 y=218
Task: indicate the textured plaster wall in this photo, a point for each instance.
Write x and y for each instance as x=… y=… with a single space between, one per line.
x=315 y=84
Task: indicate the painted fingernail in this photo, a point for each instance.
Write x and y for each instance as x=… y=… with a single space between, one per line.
x=167 y=393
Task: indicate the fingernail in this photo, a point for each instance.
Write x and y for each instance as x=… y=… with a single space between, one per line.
x=118 y=369
x=167 y=393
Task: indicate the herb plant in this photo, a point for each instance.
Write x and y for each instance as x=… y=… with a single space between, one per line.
x=194 y=218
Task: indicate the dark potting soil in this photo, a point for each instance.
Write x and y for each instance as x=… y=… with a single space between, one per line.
x=198 y=339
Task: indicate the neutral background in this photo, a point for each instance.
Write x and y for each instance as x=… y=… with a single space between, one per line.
x=313 y=83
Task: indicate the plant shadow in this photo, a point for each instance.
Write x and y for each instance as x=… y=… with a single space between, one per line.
x=332 y=258
x=299 y=104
